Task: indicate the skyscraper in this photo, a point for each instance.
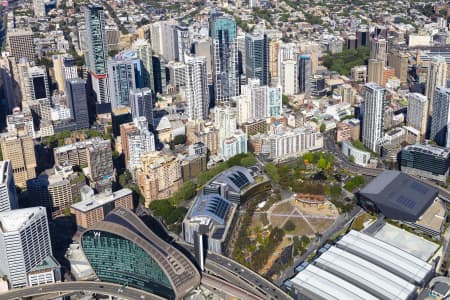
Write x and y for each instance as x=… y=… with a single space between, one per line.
x=140 y=142
x=375 y=71
x=289 y=77
x=417 y=112
x=257 y=57
x=97 y=50
x=182 y=43
x=436 y=77
x=8 y=194
x=378 y=49
x=144 y=53
x=159 y=74
x=24 y=243
x=77 y=101
x=141 y=103
x=197 y=93
x=124 y=74
x=20 y=43
x=100 y=164
x=373 y=115
x=225 y=57
x=65 y=68
x=441 y=117
x=36 y=84
x=304 y=74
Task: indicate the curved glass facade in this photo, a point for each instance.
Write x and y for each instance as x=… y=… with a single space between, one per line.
x=118 y=260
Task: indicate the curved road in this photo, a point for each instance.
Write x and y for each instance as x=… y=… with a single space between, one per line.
x=104 y=288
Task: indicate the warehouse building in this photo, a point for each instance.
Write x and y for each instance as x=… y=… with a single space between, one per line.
x=361 y=267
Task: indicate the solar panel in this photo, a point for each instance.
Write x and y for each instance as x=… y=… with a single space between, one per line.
x=406 y=202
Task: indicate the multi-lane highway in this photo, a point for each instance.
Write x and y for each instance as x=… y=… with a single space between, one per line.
x=103 y=288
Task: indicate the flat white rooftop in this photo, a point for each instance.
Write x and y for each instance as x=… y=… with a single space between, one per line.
x=386 y=256
x=100 y=200
x=324 y=285
x=15 y=219
x=364 y=274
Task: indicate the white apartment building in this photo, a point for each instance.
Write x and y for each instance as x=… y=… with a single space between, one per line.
x=417 y=112
x=372 y=131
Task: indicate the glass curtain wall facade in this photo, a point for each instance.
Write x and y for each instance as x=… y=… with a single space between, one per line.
x=118 y=260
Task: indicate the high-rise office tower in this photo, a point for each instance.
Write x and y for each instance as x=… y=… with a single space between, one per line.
x=362 y=36
x=257 y=57
x=304 y=74
x=65 y=68
x=373 y=116
x=8 y=194
x=289 y=77
x=177 y=74
x=203 y=48
x=240 y=40
x=112 y=36
x=399 y=61
x=436 y=77
x=375 y=71
x=124 y=74
x=156 y=34
x=168 y=41
x=418 y=112
x=97 y=50
x=144 y=53
x=274 y=61
x=39 y=8
x=20 y=43
x=36 y=84
x=20 y=151
x=196 y=89
x=441 y=117
x=182 y=43
x=24 y=243
x=77 y=101
x=225 y=57
x=159 y=74
x=141 y=103
x=378 y=49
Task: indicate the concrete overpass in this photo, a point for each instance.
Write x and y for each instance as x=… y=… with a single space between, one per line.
x=104 y=288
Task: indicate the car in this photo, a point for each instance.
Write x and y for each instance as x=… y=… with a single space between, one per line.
x=102 y=286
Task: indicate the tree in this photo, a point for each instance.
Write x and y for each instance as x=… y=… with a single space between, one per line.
x=248 y=161
x=272 y=172
x=285 y=99
x=125 y=178
x=186 y=192
x=322 y=164
x=289 y=226
x=179 y=140
x=323 y=127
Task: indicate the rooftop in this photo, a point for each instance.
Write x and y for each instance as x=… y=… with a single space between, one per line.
x=100 y=200
x=399 y=196
x=429 y=149
x=391 y=258
x=210 y=206
x=325 y=285
x=14 y=220
x=363 y=273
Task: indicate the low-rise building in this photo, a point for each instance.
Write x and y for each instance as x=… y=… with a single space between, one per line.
x=355 y=155
x=212 y=216
x=426 y=161
x=94 y=208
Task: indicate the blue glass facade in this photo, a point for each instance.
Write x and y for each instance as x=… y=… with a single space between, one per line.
x=119 y=260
